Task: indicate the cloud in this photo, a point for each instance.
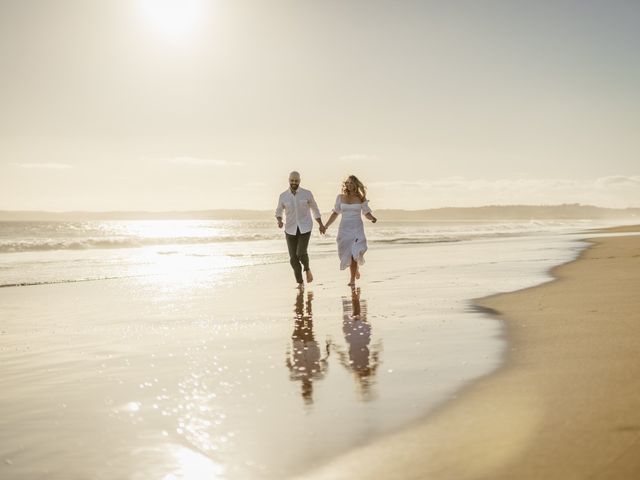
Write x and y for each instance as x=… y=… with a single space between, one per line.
x=633 y=181
x=614 y=191
x=518 y=184
x=357 y=156
x=203 y=162
x=44 y=166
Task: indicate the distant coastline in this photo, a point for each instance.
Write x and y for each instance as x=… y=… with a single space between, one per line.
x=489 y=212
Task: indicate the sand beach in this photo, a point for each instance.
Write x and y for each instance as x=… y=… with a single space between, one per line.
x=152 y=358
x=180 y=362
x=566 y=402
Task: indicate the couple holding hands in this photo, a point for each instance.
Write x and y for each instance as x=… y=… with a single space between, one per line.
x=298 y=203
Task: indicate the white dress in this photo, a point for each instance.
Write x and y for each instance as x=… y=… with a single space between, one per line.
x=352 y=242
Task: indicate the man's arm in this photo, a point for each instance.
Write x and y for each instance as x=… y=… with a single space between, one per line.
x=279 y=210
x=316 y=212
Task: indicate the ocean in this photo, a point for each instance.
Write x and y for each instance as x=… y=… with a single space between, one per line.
x=52 y=252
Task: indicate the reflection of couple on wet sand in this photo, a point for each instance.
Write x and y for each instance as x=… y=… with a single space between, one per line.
x=297 y=203
x=307 y=362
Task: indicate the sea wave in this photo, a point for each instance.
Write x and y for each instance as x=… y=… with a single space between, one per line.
x=55 y=237
x=415 y=240
x=54 y=282
x=49 y=244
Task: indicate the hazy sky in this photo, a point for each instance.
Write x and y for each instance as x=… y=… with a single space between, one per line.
x=196 y=104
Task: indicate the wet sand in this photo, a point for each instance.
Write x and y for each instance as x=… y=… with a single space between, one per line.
x=234 y=373
x=566 y=403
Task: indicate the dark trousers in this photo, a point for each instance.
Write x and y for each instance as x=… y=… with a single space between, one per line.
x=297 y=245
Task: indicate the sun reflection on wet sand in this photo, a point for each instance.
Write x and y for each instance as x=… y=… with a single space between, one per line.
x=190 y=465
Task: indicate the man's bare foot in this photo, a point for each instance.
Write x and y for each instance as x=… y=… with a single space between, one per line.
x=301 y=286
x=309 y=276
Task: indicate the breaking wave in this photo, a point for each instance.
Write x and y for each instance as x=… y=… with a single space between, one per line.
x=50 y=244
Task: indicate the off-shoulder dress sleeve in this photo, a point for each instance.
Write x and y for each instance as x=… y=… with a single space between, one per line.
x=365 y=207
x=338 y=206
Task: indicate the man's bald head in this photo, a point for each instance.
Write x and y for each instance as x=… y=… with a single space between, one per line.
x=294 y=181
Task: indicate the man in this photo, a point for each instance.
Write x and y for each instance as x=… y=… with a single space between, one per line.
x=297 y=203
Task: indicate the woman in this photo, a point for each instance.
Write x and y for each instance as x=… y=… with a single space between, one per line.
x=352 y=203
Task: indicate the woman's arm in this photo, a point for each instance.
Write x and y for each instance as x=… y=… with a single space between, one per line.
x=331 y=219
x=366 y=210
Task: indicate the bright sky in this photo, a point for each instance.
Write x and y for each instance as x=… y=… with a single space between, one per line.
x=196 y=104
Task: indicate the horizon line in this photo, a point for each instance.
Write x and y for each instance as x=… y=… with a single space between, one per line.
x=248 y=210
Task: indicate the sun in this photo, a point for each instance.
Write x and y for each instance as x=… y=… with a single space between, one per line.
x=174 y=18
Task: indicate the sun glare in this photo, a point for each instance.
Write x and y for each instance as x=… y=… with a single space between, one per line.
x=192 y=465
x=175 y=18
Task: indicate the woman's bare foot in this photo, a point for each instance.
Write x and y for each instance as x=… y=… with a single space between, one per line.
x=358 y=274
x=309 y=276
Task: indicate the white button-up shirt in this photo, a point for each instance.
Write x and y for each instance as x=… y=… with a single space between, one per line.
x=297 y=209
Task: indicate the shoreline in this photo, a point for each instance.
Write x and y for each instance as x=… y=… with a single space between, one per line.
x=562 y=404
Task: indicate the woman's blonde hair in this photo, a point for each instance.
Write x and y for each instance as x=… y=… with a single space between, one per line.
x=361 y=190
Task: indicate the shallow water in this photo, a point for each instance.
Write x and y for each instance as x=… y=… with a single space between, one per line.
x=227 y=370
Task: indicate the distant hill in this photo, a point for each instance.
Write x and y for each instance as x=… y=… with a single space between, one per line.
x=514 y=212
x=492 y=212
